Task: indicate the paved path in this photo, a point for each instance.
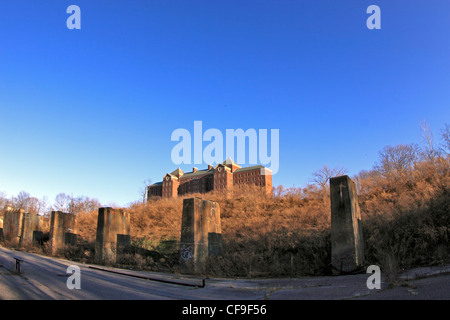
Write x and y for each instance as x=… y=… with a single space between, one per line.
x=44 y=278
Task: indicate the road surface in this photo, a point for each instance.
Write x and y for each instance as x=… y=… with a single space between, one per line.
x=45 y=278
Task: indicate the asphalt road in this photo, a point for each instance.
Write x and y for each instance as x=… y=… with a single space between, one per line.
x=45 y=278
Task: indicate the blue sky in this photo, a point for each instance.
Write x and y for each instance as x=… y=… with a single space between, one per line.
x=91 y=111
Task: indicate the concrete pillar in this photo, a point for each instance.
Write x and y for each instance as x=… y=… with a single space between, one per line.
x=113 y=224
x=12 y=226
x=201 y=234
x=30 y=222
x=347 y=246
x=60 y=224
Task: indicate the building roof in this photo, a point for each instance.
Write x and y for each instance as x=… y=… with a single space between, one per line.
x=249 y=168
x=230 y=162
x=156 y=184
x=177 y=173
x=197 y=173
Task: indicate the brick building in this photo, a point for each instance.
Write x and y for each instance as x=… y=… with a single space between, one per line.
x=222 y=177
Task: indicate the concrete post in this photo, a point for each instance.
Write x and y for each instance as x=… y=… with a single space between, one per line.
x=112 y=224
x=201 y=234
x=30 y=222
x=347 y=246
x=12 y=226
x=60 y=224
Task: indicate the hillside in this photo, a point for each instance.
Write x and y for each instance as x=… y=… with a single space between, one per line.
x=405 y=222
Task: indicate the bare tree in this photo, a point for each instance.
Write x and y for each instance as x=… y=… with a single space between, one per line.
x=62 y=202
x=144 y=189
x=429 y=152
x=4 y=201
x=321 y=176
x=23 y=201
x=361 y=180
x=68 y=203
x=445 y=136
x=84 y=204
x=43 y=207
x=397 y=159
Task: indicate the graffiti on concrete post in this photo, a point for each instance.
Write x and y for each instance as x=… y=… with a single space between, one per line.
x=187 y=252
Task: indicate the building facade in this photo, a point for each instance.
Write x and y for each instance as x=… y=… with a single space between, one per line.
x=222 y=177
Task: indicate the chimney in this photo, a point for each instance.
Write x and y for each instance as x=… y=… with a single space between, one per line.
x=194 y=169
x=210 y=166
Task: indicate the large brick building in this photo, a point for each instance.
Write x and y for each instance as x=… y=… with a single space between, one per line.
x=222 y=177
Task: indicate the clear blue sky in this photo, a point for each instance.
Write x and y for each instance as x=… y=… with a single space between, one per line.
x=91 y=111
